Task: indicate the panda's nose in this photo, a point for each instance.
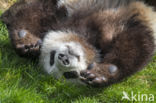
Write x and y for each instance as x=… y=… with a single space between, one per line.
x=64 y=59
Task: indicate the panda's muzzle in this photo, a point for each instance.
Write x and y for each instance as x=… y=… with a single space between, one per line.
x=64 y=59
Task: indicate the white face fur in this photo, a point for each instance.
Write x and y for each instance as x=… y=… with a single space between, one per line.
x=58 y=56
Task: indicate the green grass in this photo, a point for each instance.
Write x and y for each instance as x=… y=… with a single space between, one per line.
x=22 y=81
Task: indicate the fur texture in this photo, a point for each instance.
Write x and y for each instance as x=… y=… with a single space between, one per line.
x=124 y=35
x=35 y=17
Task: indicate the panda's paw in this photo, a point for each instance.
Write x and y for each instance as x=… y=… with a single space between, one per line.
x=31 y=49
x=98 y=76
x=92 y=78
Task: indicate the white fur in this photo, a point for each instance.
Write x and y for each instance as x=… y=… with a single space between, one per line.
x=62 y=2
x=55 y=41
x=150 y=14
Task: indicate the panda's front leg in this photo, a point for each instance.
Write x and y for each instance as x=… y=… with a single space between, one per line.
x=100 y=74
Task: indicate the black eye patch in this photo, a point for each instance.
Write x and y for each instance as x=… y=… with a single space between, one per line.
x=52 y=56
x=71 y=75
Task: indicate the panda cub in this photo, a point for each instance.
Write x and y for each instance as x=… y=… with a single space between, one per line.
x=102 y=41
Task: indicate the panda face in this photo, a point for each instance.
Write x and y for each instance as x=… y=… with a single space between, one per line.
x=69 y=56
x=67 y=59
x=62 y=58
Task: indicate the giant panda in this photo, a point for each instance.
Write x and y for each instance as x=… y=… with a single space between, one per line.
x=95 y=42
x=101 y=42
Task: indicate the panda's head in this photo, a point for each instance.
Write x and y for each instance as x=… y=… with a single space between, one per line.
x=65 y=54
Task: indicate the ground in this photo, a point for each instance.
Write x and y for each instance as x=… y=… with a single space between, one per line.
x=23 y=81
x=4 y=4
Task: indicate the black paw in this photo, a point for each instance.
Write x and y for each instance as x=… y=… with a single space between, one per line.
x=29 y=49
x=98 y=77
x=93 y=78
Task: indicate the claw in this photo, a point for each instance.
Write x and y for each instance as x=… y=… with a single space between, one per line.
x=92 y=78
x=28 y=49
x=20 y=46
x=99 y=80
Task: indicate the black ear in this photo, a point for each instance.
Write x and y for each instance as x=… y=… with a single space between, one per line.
x=71 y=75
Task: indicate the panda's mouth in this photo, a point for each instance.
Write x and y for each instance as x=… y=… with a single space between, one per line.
x=64 y=59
